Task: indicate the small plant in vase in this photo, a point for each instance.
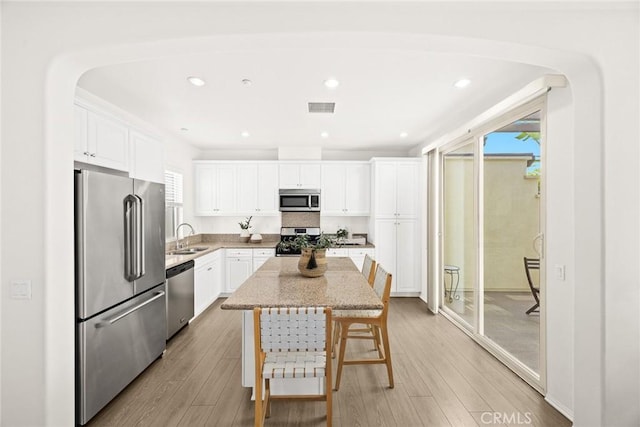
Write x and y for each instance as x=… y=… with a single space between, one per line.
x=342 y=234
x=313 y=259
x=244 y=229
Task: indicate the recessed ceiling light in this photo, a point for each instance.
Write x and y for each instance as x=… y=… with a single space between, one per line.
x=196 y=81
x=403 y=134
x=462 y=83
x=245 y=134
x=331 y=83
x=325 y=134
x=246 y=82
x=184 y=129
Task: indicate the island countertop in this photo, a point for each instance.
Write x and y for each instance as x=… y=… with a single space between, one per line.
x=278 y=283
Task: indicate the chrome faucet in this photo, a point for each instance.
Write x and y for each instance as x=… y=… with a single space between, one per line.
x=178 y=246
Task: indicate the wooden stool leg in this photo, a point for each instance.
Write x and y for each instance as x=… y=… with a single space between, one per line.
x=267 y=398
x=329 y=390
x=336 y=337
x=258 y=405
x=387 y=352
x=375 y=330
x=344 y=331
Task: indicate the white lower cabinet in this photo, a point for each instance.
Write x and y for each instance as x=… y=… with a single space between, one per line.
x=356 y=254
x=398 y=252
x=239 y=266
x=337 y=252
x=260 y=256
x=207 y=281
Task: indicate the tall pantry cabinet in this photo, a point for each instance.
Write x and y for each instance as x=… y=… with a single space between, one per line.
x=396 y=221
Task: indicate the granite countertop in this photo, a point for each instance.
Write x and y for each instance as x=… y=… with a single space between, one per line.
x=213 y=242
x=212 y=246
x=278 y=283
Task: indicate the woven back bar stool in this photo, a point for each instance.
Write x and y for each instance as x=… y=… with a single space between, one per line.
x=292 y=342
x=377 y=319
x=369 y=272
x=369 y=269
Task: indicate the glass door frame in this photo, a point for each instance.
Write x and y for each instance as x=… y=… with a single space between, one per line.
x=536 y=380
x=442 y=152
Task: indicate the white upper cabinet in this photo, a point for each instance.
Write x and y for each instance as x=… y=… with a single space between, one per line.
x=396 y=188
x=108 y=142
x=215 y=189
x=147 y=157
x=268 y=185
x=345 y=188
x=257 y=188
x=80 y=133
x=300 y=175
x=100 y=140
x=247 y=188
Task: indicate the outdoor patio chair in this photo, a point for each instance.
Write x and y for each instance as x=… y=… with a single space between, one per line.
x=532 y=264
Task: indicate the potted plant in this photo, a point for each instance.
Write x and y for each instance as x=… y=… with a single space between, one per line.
x=244 y=229
x=313 y=259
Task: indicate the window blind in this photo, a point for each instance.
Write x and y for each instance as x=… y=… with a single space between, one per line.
x=173 y=188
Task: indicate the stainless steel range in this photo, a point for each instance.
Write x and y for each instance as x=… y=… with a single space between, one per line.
x=290 y=233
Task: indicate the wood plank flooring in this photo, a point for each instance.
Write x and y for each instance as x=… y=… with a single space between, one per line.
x=442 y=378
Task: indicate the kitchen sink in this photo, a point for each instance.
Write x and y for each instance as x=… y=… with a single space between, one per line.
x=187 y=251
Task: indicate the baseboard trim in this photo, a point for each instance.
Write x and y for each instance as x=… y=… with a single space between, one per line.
x=559 y=407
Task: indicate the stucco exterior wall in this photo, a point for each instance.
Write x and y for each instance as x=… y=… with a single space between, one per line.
x=511 y=221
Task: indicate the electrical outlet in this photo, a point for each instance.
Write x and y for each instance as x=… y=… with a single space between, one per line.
x=21 y=289
x=559 y=271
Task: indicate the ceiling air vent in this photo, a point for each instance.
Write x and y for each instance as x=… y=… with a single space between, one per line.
x=322 y=107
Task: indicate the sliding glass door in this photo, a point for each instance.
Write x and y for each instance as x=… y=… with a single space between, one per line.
x=459 y=243
x=511 y=231
x=491 y=226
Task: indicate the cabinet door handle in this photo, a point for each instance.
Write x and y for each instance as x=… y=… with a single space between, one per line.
x=92 y=154
x=86 y=153
x=210 y=268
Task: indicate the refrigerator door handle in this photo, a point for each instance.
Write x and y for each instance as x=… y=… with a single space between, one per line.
x=114 y=319
x=140 y=237
x=130 y=264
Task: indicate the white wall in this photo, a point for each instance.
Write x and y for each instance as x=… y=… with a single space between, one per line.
x=559 y=298
x=229 y=224
x=254 y=154
x=249 y=154
x=595 y=45
x=1 y=293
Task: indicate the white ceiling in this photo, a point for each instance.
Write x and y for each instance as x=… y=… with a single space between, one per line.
x=381 y=94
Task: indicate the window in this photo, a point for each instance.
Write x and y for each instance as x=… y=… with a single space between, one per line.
x=173 y=202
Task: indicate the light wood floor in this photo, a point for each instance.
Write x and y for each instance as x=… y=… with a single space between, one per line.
x=442 y=378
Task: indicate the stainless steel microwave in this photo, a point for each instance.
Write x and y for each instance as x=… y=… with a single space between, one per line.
x=299 y=200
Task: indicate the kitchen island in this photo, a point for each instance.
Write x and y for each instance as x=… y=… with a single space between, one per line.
x=278 y=283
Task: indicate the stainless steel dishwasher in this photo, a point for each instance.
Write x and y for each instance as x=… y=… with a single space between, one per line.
x=179 y=297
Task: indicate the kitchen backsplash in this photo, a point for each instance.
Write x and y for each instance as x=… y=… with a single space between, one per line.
x=301 y=219
x=272 y=224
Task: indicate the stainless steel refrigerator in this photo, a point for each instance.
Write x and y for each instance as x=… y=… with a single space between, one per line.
x=120 y=290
